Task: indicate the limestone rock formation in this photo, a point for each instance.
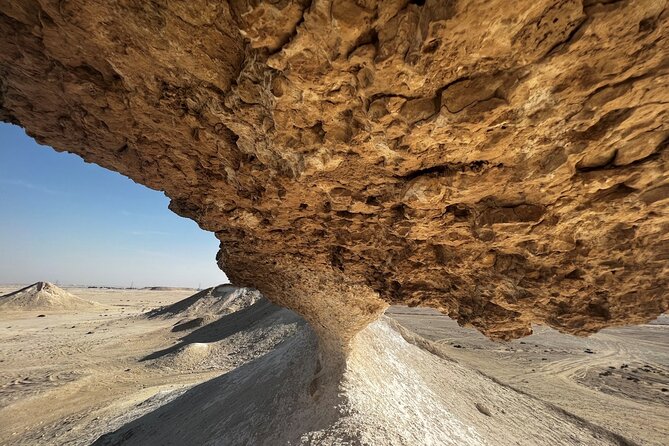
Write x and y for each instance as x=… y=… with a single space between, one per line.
x=504 y=164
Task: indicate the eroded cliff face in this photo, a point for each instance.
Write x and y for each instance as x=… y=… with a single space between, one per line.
x=504 y=162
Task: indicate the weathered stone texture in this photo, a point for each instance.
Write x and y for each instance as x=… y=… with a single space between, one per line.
x=504 y=162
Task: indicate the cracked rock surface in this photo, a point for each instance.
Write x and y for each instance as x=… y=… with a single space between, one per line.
x=505 y=165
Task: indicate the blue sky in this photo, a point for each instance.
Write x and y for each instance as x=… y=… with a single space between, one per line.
x=64 y=220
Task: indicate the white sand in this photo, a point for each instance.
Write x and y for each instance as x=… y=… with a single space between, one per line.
x=44 y=296
x=246 y=378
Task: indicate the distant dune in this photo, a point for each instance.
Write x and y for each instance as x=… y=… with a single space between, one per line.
x=44 y=296
x=215 y=301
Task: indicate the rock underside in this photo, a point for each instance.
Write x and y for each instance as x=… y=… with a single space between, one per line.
x=505 y=165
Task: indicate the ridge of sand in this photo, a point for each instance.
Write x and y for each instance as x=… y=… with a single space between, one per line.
x=210 y=302
x=270 y=401
x=43 y=296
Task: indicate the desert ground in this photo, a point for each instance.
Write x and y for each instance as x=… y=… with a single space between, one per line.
x=617 y=378
x=224 y=366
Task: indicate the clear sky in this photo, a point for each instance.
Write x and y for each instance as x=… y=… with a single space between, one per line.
x=63 y=220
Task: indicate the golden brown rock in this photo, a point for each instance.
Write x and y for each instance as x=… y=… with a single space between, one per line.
x=504 y=164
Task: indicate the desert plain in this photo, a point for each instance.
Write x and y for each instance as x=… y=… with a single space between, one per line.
x=225 y=366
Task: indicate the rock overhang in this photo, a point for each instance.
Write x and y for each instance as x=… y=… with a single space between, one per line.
x=507 y=166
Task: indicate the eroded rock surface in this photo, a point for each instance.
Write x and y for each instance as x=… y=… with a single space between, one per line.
x=504 y=164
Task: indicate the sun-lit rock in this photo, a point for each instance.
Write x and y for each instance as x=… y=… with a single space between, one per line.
x=506 y=165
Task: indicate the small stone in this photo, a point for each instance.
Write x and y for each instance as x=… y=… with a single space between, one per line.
x=483 y=409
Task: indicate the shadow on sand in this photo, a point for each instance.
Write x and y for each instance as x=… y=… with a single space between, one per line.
x=265 y=401
x=256 y=315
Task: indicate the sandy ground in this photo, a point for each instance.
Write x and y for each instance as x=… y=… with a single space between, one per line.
x=617 y=378
x=114 y=376
x=69 y=377
x=63 y=370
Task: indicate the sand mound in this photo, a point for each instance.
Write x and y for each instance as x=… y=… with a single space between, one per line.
x=228 y=340
x=211 y=302
x=390 y=392
x=187 y=357
x=44 y=296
